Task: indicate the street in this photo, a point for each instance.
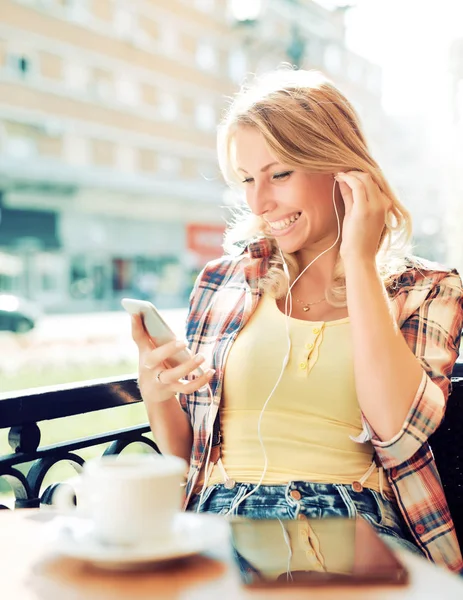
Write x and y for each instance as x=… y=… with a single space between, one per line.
x=72 y=340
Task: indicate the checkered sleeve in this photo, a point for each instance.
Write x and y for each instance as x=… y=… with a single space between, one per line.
x=183 y=398
x=433 y=333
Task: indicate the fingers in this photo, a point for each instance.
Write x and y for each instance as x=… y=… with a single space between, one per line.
x=188 y=387
x=364 y=191
x=139 y=335
x=173 y=374
x=359 y=192
x=159 y=355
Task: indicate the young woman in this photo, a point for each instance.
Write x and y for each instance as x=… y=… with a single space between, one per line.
x=330 y=346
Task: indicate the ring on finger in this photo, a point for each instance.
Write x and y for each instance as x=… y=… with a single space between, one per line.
x=158 y=376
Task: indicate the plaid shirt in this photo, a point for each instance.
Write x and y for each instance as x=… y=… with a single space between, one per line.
x=427 y=303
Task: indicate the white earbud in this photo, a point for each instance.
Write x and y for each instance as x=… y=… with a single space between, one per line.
x=285 y=268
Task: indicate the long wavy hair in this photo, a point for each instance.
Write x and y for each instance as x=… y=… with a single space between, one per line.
x=307 y=124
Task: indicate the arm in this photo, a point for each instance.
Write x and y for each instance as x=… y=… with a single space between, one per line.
x=402 y=376
x=432 y=332
x=171 y=427
x=387 y=373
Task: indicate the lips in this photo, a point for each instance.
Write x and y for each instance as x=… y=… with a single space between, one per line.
x=282 y=224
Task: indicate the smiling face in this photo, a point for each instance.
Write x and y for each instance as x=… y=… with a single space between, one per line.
x=296 y=205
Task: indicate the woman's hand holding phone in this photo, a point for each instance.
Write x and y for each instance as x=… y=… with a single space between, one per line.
x=157 y=380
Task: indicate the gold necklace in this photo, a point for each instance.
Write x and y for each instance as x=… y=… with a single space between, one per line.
x=306 y=305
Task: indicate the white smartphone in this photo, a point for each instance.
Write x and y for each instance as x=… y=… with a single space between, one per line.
x=157 y=328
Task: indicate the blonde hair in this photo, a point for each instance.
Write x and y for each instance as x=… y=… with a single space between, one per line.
x=307 y=124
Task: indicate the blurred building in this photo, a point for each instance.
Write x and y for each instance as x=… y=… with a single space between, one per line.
x=107 y=147
x=109 y=184
x=455 y=168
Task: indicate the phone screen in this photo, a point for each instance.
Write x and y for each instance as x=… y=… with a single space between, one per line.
x=313 y=552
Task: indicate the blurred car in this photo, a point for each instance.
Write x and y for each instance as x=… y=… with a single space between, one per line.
x=17 y=314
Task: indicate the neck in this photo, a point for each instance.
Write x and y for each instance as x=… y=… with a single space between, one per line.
x=320 y=274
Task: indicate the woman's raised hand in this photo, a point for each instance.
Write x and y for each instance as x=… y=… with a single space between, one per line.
x=157 y=381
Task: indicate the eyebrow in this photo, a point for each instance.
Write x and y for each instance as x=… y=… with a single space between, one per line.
x=263 y=168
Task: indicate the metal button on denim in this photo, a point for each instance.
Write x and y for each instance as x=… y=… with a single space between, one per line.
x=295 y=495
x=357 y=486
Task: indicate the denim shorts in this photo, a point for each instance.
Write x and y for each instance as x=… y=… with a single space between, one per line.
x=299 y=499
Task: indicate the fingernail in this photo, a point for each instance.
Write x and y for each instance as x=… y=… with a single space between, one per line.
x=340 y=174
x=210 y=372
x=199 y=358
x=148 y=367
x=181 y=344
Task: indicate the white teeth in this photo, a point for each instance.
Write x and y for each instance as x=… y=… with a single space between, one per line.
x=284 y=223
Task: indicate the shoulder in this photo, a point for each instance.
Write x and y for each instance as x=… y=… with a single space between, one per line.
x=422 y=274
x=221 y=269
x=235 y=263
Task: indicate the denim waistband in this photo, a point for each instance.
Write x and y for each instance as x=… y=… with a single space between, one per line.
x=304 y=500
x=299 y=498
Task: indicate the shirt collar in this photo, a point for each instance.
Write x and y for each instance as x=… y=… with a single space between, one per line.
x=260 y=248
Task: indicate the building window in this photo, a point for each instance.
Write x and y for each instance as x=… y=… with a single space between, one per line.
x=19 y=64
x=206 y=6
x=168 y=106
x=168 y=38
x=76 y=77
x=126 y=159
x=102 y=84
x=205 y=117
x=77 y=10
x=127 y=91
x=20 y=148
x=206 y=56
x=169 y=165
x=237 y=65
x=125 y=23
x=208 y=171
x=76 y=150
x=20 y=139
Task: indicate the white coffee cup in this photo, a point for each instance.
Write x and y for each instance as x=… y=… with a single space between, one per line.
x=133 y=498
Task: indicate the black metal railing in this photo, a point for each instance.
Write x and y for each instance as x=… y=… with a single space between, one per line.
x=28 y=464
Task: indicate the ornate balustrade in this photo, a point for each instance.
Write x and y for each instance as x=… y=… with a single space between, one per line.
x=22 y=413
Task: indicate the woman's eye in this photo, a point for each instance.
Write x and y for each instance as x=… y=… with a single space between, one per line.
x=247 y=180
x=282 y=175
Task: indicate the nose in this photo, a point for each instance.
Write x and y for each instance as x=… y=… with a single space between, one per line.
x=259 y=200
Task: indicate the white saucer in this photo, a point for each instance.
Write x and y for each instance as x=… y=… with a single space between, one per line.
x=193 y=534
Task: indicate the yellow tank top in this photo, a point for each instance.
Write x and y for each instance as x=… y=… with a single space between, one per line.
x=307 y=425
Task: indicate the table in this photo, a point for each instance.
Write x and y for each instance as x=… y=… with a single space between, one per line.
x=32 y=571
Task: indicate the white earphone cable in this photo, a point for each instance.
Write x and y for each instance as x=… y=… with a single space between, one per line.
x=235 y=505
x=209 y=427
